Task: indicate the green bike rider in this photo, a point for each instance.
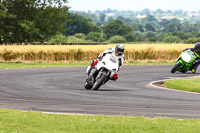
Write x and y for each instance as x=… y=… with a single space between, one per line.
x=196 y=51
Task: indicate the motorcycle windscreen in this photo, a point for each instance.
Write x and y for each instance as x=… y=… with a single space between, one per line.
x=186 y=57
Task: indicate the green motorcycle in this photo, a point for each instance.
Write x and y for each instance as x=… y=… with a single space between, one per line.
x=185 y=62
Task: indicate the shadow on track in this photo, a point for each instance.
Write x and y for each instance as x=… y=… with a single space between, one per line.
x=112 y=90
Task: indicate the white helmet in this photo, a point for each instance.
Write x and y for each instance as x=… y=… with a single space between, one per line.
x=119 y=49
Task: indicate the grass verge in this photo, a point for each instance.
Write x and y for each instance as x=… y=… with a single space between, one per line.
x=39 y=65
x=10 y=65
x=189 y=84
x=29 y=122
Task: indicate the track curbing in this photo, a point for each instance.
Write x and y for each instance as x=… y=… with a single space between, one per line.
x=157 y=81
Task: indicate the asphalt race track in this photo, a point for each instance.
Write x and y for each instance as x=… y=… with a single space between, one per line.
x=61 y=90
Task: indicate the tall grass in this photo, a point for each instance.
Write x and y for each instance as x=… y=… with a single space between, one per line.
x=133 y=52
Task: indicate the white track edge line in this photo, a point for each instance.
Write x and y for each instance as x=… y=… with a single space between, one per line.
x=152 y=84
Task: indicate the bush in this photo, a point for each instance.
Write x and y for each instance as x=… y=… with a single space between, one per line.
x=80 y=36
x=139 y=36
x=171 y=39
x=149 y=34
x=192 y=40
x=117 y=39
x=95 y=36
x=59 y=38
x=130 y=37
x=73 y=39
x=152 y=39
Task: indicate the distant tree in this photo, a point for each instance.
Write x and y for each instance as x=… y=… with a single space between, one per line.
x=92 y=16
x=172 y=27
x=139 y=36
x=141 y=28
x=150 y=18
x=130 y=37
x=186 y=27
x=79 y=24
x=172 y=39
x=117 y=39
x=146 y=11
x=116 y=27
x=197 y=26
x=110 y=19
x=33 y=20
x=159 y=11
x=59 y=38
x=7 y=23
x=180 y=34
x=149 y=34
x=95 y=36
x=80 y=35
x=102 y=18
x=152 y=39
x=149 y=27
x=164 y=22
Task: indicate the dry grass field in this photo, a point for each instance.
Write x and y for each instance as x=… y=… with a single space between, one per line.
x=62 y=53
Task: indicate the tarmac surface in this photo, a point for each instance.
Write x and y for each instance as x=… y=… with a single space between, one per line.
x=61 y=90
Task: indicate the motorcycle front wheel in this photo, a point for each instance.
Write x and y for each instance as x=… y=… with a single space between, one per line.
x=99 y=82
x=176 y=67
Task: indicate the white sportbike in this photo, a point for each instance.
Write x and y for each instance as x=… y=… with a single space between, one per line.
x=105 y=70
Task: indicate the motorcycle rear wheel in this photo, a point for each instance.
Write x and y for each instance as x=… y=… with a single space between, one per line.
x=87 y=85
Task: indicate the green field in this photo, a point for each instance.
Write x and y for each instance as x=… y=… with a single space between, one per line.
x=189 y=84
x=14 y=121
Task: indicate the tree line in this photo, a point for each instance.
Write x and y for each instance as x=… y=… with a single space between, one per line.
x=32 y=21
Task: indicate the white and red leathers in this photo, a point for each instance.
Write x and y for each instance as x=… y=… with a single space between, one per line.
x=121 y=59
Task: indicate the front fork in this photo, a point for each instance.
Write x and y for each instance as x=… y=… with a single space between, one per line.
x=104 y=72
x=182 y=63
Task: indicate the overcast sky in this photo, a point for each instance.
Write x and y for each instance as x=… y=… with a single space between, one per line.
x=134 y=5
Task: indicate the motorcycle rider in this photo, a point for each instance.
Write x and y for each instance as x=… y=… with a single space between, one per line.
x=118 y=51
x=196 y=50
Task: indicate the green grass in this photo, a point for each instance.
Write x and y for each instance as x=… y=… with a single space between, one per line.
x=76 y=64
x=39 y=65
x=191 y=84
x=31 y=122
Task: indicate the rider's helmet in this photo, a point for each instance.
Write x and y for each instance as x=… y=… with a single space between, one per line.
x=197 y=46
x=119 y=49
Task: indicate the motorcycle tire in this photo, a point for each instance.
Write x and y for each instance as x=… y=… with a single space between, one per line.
x=99 y=82
x=176 y=67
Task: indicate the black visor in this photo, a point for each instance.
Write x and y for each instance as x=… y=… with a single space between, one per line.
x=120 y=50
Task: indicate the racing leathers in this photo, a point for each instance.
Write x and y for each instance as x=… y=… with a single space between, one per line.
x=197 y=61
x=121 y=59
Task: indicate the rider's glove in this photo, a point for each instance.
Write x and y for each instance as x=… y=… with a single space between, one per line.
x=100 y=58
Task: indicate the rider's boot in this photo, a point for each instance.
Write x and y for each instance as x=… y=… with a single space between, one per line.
x=195 y=66
x=115 y=77
x=92 y=64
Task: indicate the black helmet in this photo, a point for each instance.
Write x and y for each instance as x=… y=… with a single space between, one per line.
x=197 y=46
x=119 y=49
